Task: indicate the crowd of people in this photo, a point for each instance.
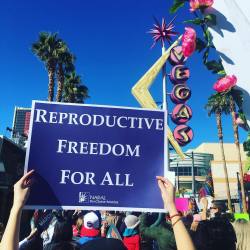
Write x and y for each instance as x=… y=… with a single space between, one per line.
x=209 y=229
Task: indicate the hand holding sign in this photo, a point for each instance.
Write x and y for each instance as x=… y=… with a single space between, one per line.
x=22 y=190
x=167 y=192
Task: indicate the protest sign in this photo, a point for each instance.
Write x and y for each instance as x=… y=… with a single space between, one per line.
x=181 y=204
x=95 y=157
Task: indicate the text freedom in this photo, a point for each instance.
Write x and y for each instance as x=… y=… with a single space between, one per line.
x=94 y=148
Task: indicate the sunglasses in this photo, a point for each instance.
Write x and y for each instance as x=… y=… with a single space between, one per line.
x=213 y=207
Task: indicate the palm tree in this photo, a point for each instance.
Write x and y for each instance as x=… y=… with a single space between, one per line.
x=46 y=49
x=246 y=145
x=65 y=61
x=217 y=104
x=235 y=97
x=74 y=91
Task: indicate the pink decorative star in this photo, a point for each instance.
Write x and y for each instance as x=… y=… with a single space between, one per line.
x=163 y=31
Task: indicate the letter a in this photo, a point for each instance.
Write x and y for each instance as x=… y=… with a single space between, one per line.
x=107 y=178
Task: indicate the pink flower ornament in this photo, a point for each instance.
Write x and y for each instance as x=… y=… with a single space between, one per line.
x=225 y=83
x=196 y=4
x=188 y=42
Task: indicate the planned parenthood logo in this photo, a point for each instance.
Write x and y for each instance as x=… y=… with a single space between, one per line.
x=84 y=197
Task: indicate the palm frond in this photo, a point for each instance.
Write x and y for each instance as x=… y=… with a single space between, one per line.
x=74 y=91
x=218 y=103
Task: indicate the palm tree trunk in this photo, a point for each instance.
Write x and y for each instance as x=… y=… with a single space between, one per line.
x=60 y=83
x=220 y=135
x=51 y=73
x=237 y=144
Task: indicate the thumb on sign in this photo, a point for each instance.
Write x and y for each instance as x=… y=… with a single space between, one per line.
x=167 y=192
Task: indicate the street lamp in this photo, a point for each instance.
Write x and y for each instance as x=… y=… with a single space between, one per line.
x=192 y=171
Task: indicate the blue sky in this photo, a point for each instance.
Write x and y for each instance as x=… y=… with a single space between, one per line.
x=110 y=41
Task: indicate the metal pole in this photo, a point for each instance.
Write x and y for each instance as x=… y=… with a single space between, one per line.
x=193 y=177
x=239 y=190
x=165 y=108
x=178 y=179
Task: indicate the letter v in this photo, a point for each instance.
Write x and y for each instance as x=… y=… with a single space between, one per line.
x=149 y=124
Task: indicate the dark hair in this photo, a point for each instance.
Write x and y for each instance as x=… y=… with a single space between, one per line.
x=2 y=227
x=34 y=243
x=62 y=246
x=103 y=244
x=220 y=205
x=187 y=220
x=62 y=232
x=215 y=234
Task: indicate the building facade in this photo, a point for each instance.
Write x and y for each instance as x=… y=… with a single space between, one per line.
x=232 y=164
x=192 y=171
x=20 y=127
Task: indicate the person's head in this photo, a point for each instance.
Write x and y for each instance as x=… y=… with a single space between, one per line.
x=91 y=221
x=79 y=223
x=242 y=230
x=215 y=234
x=217 y=207
x=111 y=212
x=62 y=231
x=131 y=221
x=91 y=225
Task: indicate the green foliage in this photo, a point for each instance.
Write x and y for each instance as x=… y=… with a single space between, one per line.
x=215 y=66
x=242 y=116
x=221 y=73
x=74 y=91
x=204 y=21
x=207 y=36
x=196 y=21
x=246 y=145
x=200 y=45
x=57 y=57
x=218 y=103
x=47 y=48
x=247 y=165
x=205 y=56
x=210 y=19
x=176 y=6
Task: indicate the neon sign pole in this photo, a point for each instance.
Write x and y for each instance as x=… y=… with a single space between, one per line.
x=164 y=32
x=180 y=94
